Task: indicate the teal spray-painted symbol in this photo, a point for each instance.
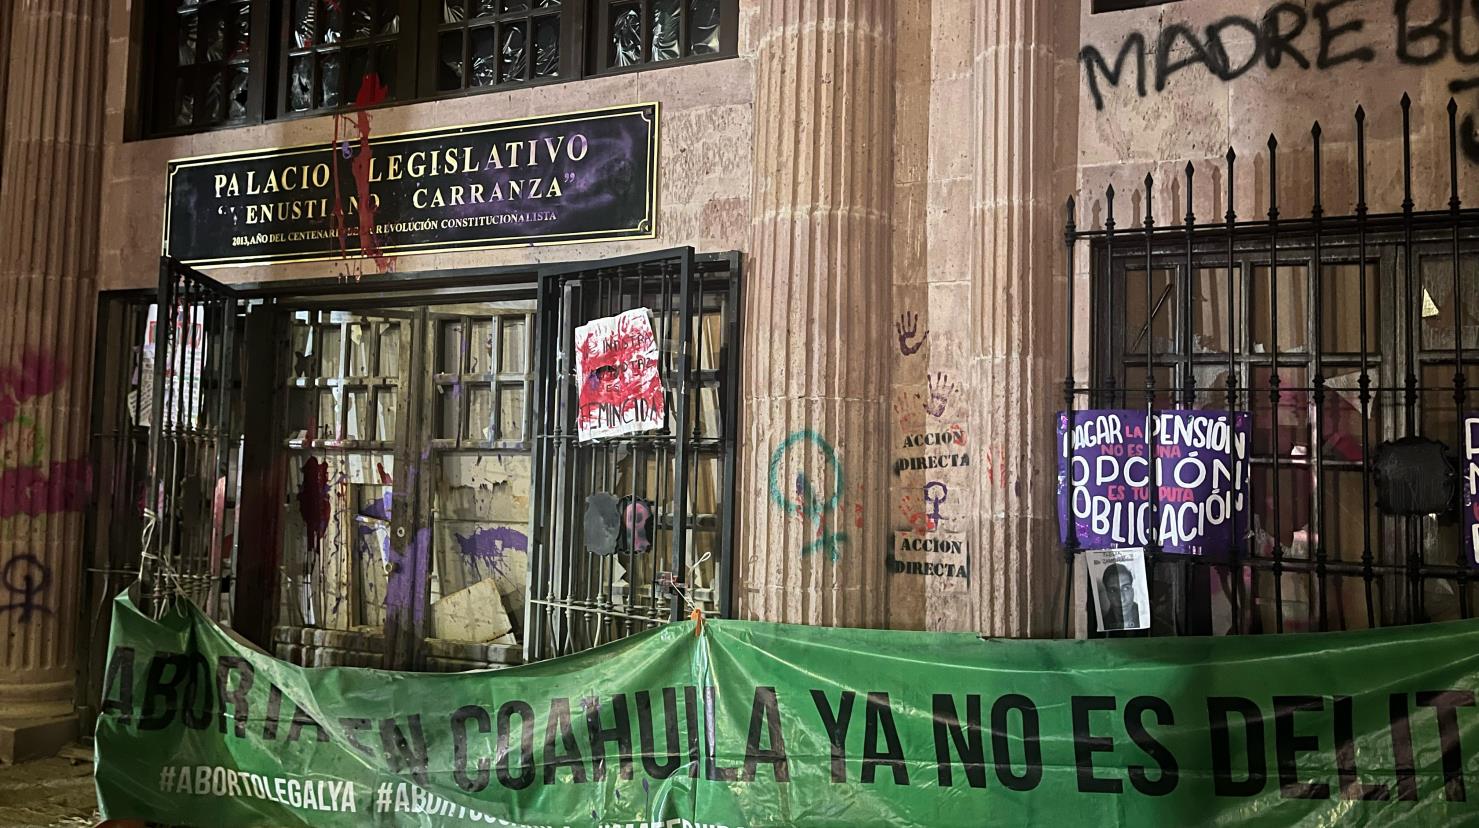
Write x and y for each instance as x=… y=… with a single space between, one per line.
x=804 y=499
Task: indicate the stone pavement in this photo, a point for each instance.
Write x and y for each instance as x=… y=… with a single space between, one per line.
x=47 y=793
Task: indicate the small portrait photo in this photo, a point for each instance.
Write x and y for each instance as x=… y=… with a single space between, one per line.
x=1120 y=589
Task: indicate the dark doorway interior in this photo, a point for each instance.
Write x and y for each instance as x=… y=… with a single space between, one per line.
x=386 y=473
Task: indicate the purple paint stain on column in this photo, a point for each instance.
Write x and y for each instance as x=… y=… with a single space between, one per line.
x=313 y=501
x=489 y=546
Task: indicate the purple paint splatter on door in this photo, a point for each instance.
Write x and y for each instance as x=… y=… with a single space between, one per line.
x=488 y=547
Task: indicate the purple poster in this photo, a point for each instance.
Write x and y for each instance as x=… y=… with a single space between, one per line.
x=1471 y=488
x=1200 y=475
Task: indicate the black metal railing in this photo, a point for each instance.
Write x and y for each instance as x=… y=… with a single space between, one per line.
x=1351 y=340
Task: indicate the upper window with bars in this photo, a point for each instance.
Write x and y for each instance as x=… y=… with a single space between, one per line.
x=1353 y=343
x=211 y=63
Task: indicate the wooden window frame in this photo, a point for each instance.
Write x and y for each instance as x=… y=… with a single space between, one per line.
x=160 y=38
x=583 y=42
x=572 y=31
x=280 y=64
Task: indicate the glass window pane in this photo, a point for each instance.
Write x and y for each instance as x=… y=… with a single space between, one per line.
x=215 y=98
x=357 y=426
x=449 y=400
x=385 y=414
x=515 y=341
x=184 y=102
x=384 y=67
x=329 y=80
x=479 y=413
x=359 y=350
x=214 y=23
x=300 y=83
x=302 y=365
x=484 y=64
x=189 y=26
x=328 y=350
x=626 y=34
x=1288 y=297
x=1436 y=398
x=1162 y=300
x=449 y=61
x=480 y=352
x=1165 y=390
x=328 y=414
x=665 y=30
x=1346 y=603
x=356 y=64
x=1340 y=317
x=239 y=31
x=1215 y=322
x=452 y=11
x=390 y=17
x=513 y=5
x=515 y=55
x=238 y=95
x=449 y=347
x=703 y=27
x=511 y=412
x=1438 y=304
x=361 y=17
x=390 y=349
x=333 y=20
x=546 y=46
x=1293 y=415
x=1344 y=506
x=305 y=23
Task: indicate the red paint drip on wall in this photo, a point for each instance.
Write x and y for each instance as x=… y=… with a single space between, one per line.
x=313 y=501
x=371 y=92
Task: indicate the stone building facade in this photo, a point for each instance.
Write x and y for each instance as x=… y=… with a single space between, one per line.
x=893 y=176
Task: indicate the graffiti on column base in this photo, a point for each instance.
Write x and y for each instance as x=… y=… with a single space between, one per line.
x=945 y=461
x=24 y=578
x=812 y=500
x=941 y=556
x=929 y=569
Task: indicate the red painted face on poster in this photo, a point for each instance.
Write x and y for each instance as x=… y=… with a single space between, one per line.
x=620 y=385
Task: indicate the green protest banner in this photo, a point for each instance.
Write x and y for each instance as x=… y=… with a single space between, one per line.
x=748 y=724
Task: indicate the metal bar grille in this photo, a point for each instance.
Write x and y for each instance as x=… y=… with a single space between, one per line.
x=193 y=436
x=683 y=474
x=1348 y=338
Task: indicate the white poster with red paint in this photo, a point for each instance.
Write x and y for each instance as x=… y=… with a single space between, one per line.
x=616 y=364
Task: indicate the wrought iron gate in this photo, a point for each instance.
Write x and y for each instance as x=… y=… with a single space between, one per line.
x=1352 y=340
x=194 y=432
x=669 y=490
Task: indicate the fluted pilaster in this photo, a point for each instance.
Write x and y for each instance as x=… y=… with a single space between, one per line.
x=1026 y=142
x=49 y=214
x=814 y=453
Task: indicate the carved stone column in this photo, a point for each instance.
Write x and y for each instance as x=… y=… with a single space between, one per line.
x=49 y=214
x=1026 y=143
x=814 y=450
